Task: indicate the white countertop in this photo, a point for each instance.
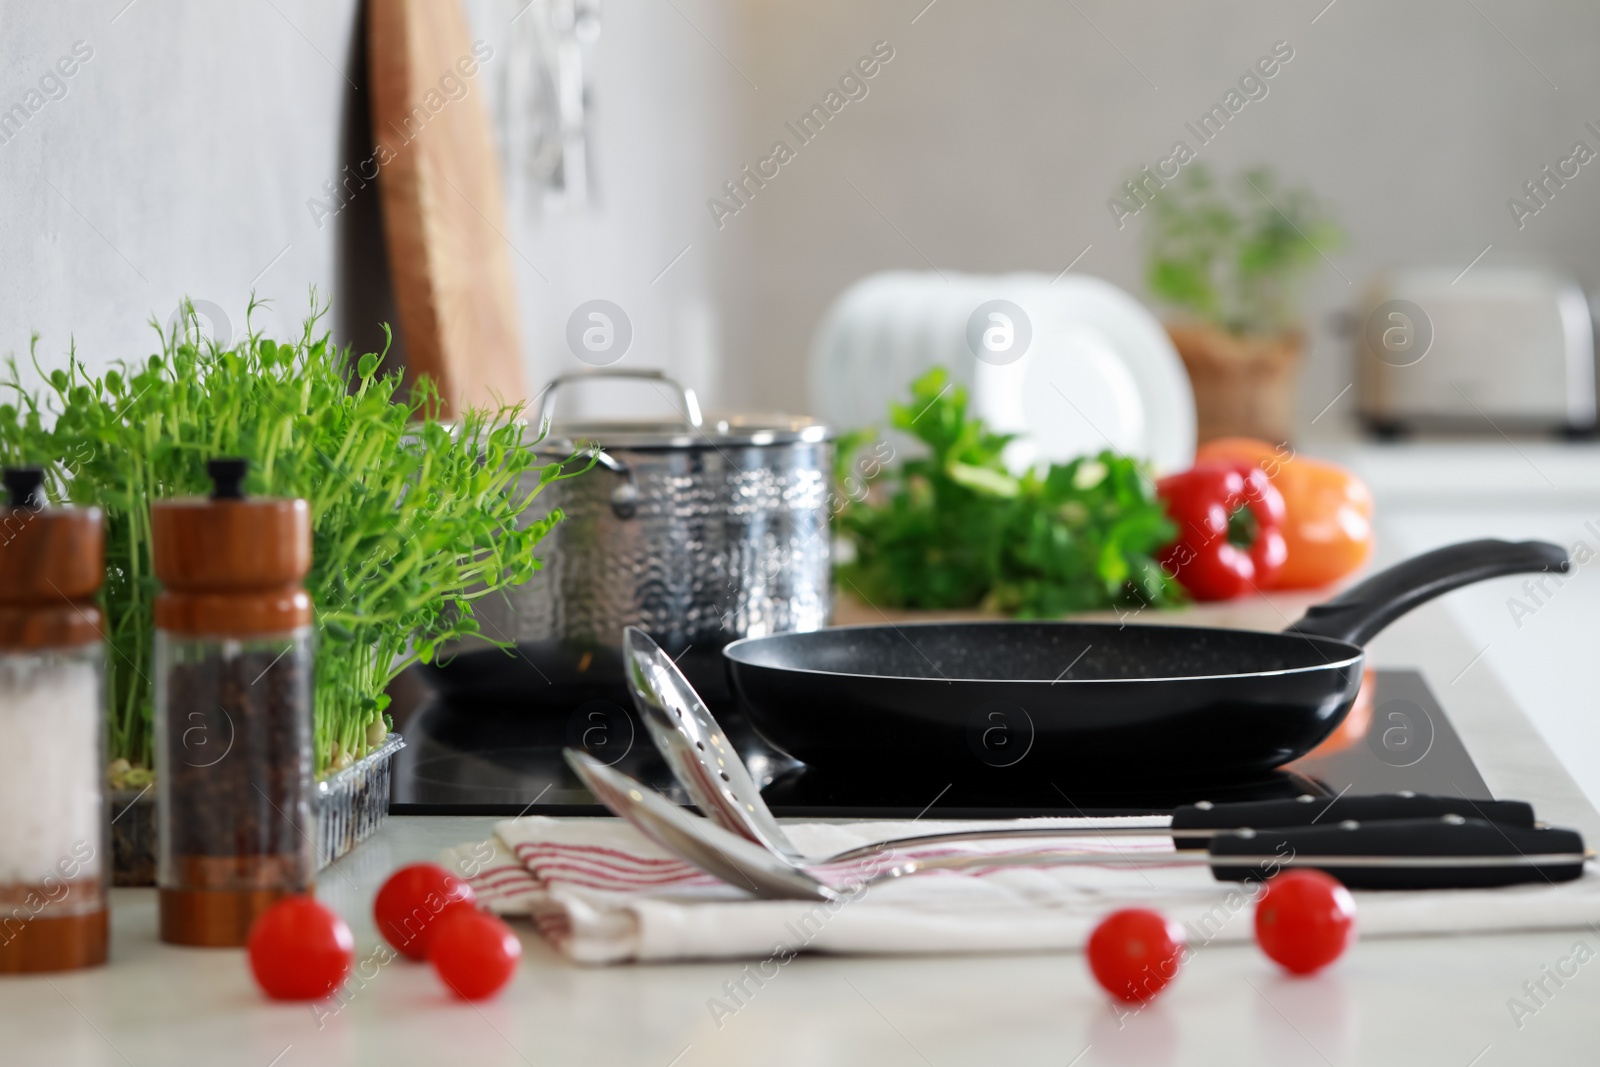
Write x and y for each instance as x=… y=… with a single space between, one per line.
x=1399 y=1001
x=1436 y=1000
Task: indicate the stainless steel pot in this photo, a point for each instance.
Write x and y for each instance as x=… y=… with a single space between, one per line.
x=700 y=531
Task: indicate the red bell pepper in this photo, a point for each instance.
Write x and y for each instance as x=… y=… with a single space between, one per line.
x=1230 y=538
x=1329 y=524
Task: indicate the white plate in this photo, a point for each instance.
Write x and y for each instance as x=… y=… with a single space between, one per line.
x=1070 y=395
x=1165 y=435
x=1100 y=372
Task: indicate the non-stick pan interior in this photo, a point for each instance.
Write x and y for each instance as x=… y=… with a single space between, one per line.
x=1039 y=651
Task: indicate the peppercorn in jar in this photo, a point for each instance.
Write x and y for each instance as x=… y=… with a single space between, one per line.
x=233 y=707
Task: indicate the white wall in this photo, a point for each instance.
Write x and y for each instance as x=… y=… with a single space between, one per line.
x=183 y=155
x=661 y=115
x=178 y=162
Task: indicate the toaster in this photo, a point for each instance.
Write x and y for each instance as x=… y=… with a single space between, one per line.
x=1491 y=350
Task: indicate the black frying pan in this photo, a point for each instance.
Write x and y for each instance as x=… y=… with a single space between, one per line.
x=1090 y=700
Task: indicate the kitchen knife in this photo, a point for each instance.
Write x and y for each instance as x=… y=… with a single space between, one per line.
x=1208 y=819
x=1193 y=825
x=1449 y=852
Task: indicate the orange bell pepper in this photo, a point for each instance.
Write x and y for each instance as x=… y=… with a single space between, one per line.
x=1328 y=510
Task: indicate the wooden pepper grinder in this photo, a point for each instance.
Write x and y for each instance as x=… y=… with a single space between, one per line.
x=233 y=707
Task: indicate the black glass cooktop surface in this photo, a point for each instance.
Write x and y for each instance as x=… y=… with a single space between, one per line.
x=499 y=753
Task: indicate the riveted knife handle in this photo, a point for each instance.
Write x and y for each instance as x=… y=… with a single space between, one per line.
x=1443 y=853
x=1319 y=811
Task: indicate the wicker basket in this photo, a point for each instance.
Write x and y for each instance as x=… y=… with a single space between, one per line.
x=1244 y=386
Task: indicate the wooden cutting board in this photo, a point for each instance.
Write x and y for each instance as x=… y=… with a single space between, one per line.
x=443 y=207
x=1268 y=613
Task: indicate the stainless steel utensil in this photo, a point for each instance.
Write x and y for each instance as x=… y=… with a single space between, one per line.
x=697 y=752
x=1432 y=853
x=699 y=841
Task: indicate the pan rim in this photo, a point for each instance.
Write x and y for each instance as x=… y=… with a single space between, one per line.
x=729 y=650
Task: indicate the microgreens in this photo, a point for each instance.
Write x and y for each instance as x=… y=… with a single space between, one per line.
x=412 y=517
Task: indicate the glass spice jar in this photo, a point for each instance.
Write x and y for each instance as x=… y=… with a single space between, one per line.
x=53 y=829
x=233 y=707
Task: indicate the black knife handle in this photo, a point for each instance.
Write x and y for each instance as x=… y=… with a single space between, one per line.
x=1272 y=814
x=1528 y=855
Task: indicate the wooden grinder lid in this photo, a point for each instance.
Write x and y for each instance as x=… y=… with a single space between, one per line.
x=230 y=565
x=51 y=565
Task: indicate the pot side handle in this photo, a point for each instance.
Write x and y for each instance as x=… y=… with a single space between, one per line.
x=1360 y=612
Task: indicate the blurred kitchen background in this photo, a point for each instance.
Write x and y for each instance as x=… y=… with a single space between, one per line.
x=183 y=154
x=191 y=152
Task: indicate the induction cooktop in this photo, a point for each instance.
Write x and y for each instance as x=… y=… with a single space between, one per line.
x=499 y=753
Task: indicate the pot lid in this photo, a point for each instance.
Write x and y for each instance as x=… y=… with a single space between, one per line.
x=714 y=431
x=692 y=431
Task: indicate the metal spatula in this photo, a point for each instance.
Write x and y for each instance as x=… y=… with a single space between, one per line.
x=1447 y=852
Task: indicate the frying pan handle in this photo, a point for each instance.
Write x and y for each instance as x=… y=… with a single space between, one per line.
x=1357 y=614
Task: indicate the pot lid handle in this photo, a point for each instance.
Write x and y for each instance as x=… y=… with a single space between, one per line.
x=687 y=404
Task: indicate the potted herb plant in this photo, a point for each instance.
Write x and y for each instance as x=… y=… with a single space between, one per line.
x=1233 y=262
x=413 y=518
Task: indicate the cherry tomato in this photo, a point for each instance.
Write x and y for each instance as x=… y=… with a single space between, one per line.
x=300 y=950
x=1305 y=920
x=411 y=903
x=474 y=953
x=1135 y=952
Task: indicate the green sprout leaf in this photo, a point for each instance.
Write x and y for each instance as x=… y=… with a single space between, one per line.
x=412 y=521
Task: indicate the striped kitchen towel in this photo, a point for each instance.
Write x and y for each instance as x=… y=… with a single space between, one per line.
x=600 y=892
